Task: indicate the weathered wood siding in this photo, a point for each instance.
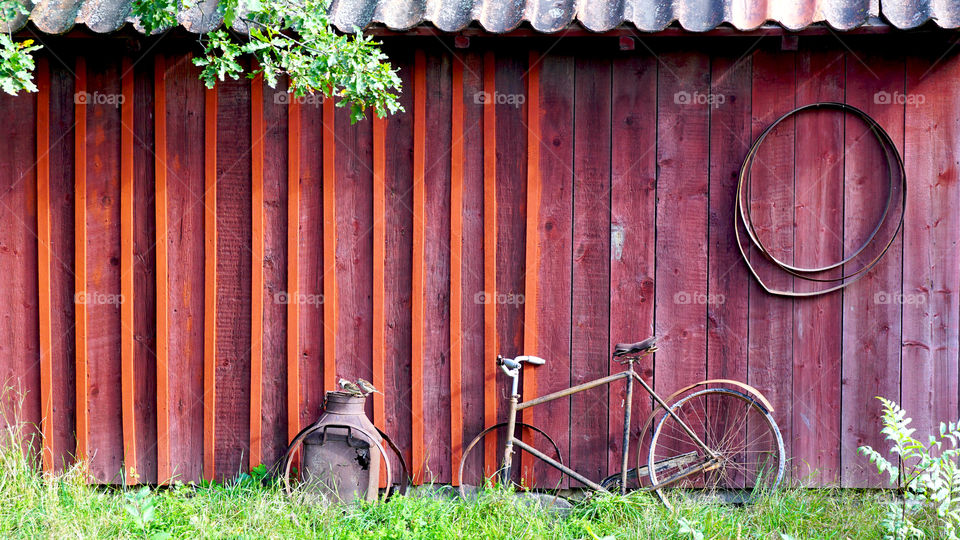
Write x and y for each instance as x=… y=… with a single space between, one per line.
x=187 y=270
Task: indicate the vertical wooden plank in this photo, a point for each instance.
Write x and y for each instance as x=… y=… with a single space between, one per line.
x=80 y=265
x=233 y=283
x=436 y=270
x=931 y=264
x=555 y=236
x=456 y=277
x=354 y=258
x=417 y=299
x=871 y=314
x=730 y=137
x=256 y=274
x=164 y=465
x=379 y=279
x=510 y=102
x=20 y=404
x=771 y=317
x=210 y=296
x=184 y=268
x=728 y=280
x=398 y=261
x=471 y=334
x=128 y=325
x=44 y=261
x=818 y=233
x=682 y=212
x=330 y=317
x=490 y=340
x=63 y=315
x=274 y=389
x=144 y=269
x=633 y=190
x=293 y=269
x=312 y=293
x=532 y=247
x=591 y=265
x=102 y=288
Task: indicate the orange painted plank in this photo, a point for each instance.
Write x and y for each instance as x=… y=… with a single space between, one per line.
x=490 y=338
x=379 y=263
x=329 y=248
x=163 y=292
x=379 y=278
x=210 y=285
x=44 y=258
x=256 y=279
x=127 y=325
x=419 y=278
x=456 y=277
x=532 y=267
x=80 y=235
x=293 y=269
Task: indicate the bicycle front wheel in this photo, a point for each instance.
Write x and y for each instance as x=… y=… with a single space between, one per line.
x=745 y=455
x=473 y=474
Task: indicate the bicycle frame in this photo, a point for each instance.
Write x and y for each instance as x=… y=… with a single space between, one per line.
x=629 y=374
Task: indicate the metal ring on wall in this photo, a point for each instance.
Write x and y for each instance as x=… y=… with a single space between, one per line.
x=743 y=215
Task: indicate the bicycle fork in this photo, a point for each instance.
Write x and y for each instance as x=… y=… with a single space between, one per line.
x=511 y=425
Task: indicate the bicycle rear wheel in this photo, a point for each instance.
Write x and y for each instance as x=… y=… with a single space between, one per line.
x=747 y=456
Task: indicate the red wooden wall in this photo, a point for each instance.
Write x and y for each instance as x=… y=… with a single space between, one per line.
x=187 y=270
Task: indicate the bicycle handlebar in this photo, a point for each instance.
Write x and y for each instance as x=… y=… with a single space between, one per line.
x=511 y=366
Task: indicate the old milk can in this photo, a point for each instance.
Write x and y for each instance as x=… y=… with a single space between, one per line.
x=341 y=459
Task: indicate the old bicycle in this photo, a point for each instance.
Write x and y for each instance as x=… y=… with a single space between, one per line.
x=715 y=436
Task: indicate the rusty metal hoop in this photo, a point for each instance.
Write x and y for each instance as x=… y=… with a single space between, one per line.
x=476 y=440
x=405 y=477
x=742 y=214
x=307 y=431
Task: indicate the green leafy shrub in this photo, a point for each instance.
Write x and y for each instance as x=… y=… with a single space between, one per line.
x=292 y=38
x=16 y=60
x=927 y=477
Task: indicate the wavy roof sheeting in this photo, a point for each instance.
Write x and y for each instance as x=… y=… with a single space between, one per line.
x=497 y=16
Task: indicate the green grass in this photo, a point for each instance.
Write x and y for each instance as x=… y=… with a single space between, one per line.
x=65 y=506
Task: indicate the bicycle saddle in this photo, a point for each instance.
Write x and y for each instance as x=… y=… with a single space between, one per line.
x=648 y=344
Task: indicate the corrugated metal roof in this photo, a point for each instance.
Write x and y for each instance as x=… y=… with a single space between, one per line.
x=59 y=16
